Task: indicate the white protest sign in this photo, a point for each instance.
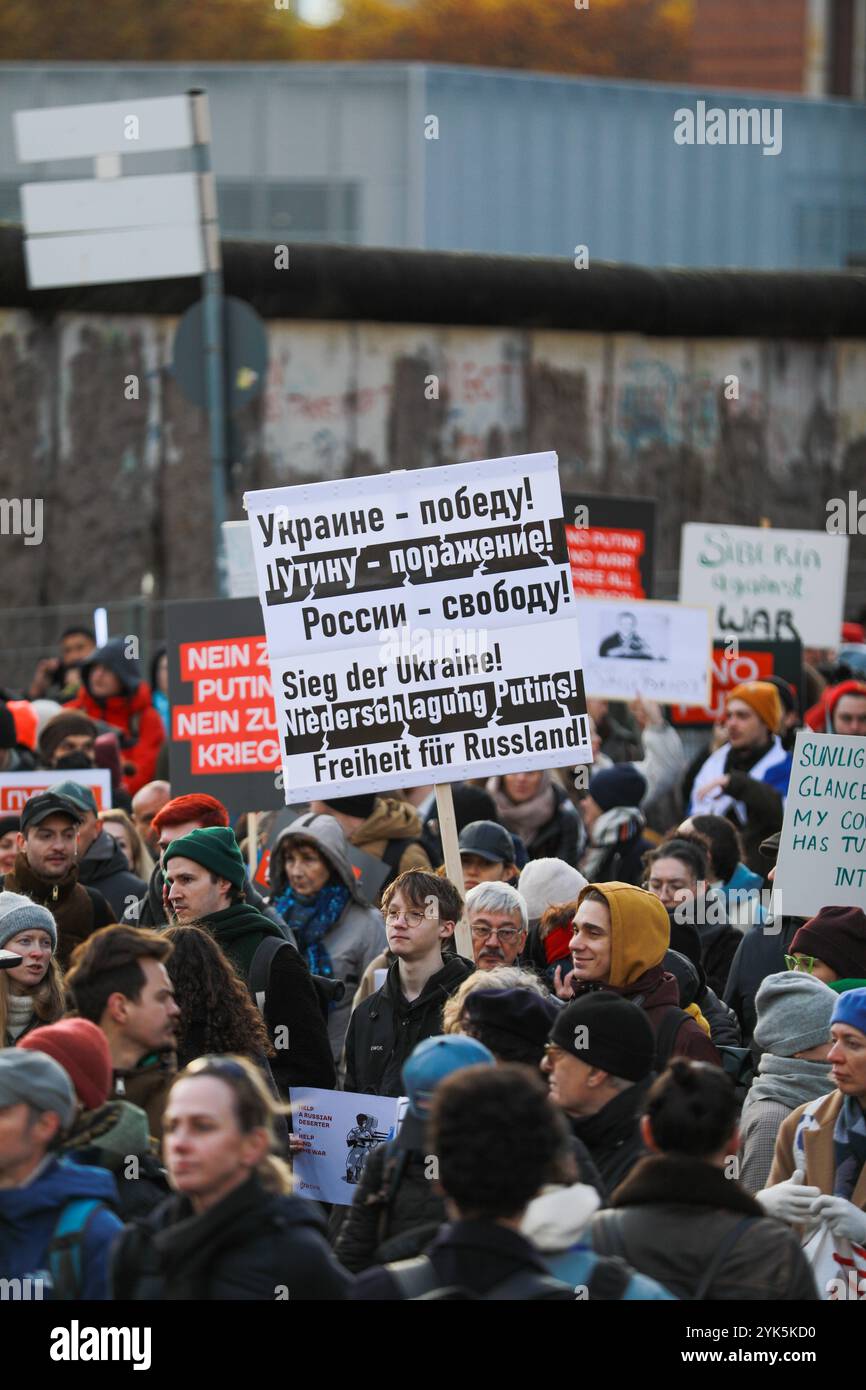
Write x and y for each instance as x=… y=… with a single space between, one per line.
x=765 y=583
x=421 y=626
x=662 y=651
x=822 y=852
x=338 y=1130
x=18 y=787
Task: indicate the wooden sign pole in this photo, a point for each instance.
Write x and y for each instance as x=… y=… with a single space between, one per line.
x=453 y=863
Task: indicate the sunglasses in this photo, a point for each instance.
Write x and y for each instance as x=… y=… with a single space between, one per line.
x=805 y=964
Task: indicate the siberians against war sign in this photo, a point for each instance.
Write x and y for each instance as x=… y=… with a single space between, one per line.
x=420 y=626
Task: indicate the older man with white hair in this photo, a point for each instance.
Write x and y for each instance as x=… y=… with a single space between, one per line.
x=498 y=921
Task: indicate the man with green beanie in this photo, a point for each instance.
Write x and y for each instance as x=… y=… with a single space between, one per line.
x=205 y=873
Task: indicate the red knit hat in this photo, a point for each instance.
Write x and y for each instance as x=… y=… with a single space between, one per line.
x=82 y=1051
x=820 y=716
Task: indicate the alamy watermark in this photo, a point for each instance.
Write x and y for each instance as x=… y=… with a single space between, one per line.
x=22 y=516
x=738 y=125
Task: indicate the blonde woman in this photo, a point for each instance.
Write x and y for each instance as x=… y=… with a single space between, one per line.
x=233 y=1230
x=503 y=977
x=30 y=993
x=121 y=828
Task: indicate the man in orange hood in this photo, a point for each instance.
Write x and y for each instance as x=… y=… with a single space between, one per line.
x=621 y=934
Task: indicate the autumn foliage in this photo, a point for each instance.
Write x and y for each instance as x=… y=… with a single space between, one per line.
x=609 y=38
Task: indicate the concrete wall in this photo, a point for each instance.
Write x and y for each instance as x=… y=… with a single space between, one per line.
x=126 y=482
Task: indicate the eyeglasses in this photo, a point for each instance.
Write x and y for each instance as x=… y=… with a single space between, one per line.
x=805 y=964
x=504 y=934
x=553 y=1052
x=412 y=918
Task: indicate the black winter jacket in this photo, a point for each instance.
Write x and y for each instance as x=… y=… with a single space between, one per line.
x=105 y=867
x=673 y=1214
x=252 y=1245
x=612 y=1136
x=395 y=1195
x=385 y=1027
x=760 y=953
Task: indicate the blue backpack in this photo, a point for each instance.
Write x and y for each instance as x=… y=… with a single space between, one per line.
x=65 y=1250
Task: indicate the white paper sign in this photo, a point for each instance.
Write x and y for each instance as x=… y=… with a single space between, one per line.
x=18 y=787
x=822 y=852
x=766 y=584
x=421 y=626
x=662 y=651
x=339 y=1130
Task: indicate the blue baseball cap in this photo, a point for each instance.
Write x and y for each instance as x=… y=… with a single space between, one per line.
x=430 y=1062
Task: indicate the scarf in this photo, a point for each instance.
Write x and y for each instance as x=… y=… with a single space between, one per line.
x=19 y=1014
x=614 y=827
x=849 y=1147
x=790 y=1081
x=311 y=918
x=525 y=818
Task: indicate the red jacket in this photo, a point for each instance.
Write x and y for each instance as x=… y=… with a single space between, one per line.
x=142 y=731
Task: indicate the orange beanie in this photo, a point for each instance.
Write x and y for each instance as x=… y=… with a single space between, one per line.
x=763 y=698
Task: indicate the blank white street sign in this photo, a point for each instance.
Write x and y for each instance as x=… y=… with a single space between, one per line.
x=113 y=257
x=92 y=205
x=134 y=126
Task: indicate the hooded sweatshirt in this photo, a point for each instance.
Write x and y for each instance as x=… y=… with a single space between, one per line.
x=131 y=712
x=29 y=1215
x=640 y=935
x=358 y=936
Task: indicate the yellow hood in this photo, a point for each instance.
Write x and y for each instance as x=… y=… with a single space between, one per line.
x=640 y=930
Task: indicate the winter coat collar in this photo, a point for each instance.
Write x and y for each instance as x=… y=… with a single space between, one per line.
x=674 y=1179
x=615 y=1123
x=491 y=1238
x=48 y=893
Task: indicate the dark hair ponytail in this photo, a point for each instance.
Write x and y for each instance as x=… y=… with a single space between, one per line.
x=692 y=1109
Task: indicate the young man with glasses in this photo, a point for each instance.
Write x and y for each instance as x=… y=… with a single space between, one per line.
x=421 y=911
x=498 y=922
x=832 y=947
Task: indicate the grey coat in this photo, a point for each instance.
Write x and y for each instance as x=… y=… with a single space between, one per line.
x=359 y=935
x=782 y=1084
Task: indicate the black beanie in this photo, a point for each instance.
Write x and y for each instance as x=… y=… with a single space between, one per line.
x=472 y=804
x=517 y=1013
x=837 y=936
x=620 y=785
x=360 y=806
x=606 y=1031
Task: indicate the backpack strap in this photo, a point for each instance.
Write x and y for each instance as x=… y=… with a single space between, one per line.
x=720 y=1254
x=607 y=1234
x=609 y=1279
x=65 y=1248
x=414 y=1278
x=260 y=969
x=667 y=1035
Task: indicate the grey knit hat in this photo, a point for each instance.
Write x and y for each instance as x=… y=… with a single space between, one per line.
x=37 y=1079
x=545 y=882
x=18 y=914
x=794 y=1012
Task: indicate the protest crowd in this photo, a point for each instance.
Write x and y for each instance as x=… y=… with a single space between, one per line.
x=644 y=1083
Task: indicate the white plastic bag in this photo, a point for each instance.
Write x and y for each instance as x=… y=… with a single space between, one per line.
x=838 y=1265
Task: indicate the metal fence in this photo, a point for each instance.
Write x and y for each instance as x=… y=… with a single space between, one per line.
x=27 y=634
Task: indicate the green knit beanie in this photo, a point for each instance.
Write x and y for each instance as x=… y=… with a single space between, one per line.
x=216 y=848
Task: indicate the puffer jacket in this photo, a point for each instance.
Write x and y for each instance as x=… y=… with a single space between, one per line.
x=673 y=1213
x=385 y=1028
x=104 y=867
x=359 y=935
x=131 y=713
x=394 y=1197
x=251 y=1246
x=640 y=934
x=391 y=822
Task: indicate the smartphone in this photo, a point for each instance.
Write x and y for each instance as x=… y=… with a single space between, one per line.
x=9 y=960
